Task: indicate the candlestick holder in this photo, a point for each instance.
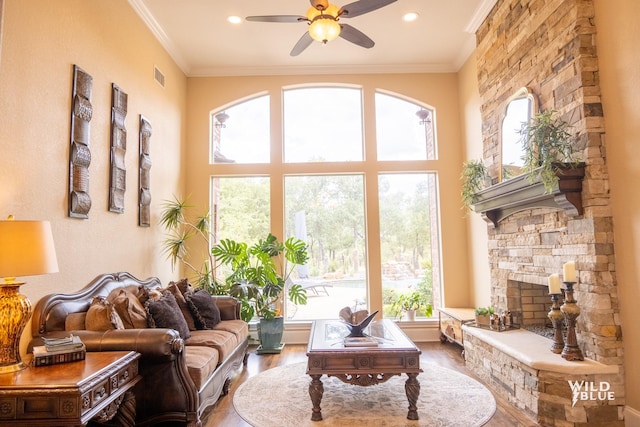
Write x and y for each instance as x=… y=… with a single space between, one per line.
x=571 y=311
x=556 y=317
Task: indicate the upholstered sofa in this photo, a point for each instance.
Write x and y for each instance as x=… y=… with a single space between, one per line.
x=181 y=377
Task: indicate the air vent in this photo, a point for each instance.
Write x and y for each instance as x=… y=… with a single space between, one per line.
x=158 y=76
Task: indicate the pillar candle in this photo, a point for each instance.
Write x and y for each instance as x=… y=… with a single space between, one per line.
x=569 y=271
x=554 y=284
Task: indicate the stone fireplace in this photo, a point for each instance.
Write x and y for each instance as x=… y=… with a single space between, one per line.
x=549 y=47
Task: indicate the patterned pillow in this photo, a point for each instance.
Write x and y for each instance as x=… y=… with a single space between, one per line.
x=204 y=309
x=182 y=303
x=129 y=308
x=102 y=316
x=165 y=313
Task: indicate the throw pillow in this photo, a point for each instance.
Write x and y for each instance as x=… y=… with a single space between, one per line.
x=204 y=309
x=129 y=308
x=165 y=313
x=182 y=303
x=102 y=316
x=184 y=286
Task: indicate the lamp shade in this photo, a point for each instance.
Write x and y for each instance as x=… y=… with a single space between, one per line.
x=26 y=249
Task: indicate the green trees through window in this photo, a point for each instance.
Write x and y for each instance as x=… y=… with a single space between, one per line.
x=371 y=225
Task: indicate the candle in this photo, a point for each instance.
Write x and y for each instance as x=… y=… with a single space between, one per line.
x=554 y=284
x=569 y=271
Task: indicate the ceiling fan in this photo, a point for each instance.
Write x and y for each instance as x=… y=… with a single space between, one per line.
x=322 y=18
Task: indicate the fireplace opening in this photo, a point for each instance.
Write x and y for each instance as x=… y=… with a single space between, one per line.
x=529 y=304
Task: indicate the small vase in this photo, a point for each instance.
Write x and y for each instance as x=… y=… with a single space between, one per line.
x=411 y=315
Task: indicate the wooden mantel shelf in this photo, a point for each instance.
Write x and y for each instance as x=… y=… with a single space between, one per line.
x=497 y=202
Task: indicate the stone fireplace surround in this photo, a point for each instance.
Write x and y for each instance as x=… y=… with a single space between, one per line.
x=549 y=47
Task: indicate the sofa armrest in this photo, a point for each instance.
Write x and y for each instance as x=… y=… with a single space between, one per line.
x=229 y=307
x=152 y=343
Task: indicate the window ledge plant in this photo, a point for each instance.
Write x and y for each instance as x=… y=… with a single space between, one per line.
x=413 y=301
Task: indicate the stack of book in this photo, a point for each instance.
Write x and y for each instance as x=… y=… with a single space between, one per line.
x=59 y=350
x=365 y=341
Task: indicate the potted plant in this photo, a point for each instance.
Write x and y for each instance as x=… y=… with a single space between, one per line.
x=483 y=315
x=182 y=227
x=258 y=276
x=548 y=147
x=474 y=178
x=409 y=304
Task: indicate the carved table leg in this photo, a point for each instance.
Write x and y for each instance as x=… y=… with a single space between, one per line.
x=316 y=390
x=412 y=388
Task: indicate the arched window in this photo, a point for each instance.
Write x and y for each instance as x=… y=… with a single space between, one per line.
x=365 y=203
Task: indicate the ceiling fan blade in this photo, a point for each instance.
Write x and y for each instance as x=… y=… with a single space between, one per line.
x=302 y=44
x=356 y=36
x=361 y=7
x=277 y=18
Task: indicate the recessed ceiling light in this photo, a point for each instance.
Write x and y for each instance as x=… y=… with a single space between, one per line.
x=411 y=16
x=234 y=19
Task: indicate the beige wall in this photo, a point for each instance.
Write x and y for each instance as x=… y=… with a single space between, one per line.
x=617 y=40
x=42 y=40
x=437 y=90
x=480 y=274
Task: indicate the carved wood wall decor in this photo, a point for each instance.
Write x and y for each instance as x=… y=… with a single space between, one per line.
x=79 y=153
x=144 y=195
x=118 y=173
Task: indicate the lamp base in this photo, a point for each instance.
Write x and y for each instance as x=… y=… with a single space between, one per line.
x=15 y=311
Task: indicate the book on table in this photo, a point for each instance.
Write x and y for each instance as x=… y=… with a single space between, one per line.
x=364 y=341
x=59 y=350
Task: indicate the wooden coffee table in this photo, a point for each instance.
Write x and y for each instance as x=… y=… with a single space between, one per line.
x=395 y=354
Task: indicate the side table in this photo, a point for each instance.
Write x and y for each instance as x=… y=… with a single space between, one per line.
x=451 y=321
x=71 y=394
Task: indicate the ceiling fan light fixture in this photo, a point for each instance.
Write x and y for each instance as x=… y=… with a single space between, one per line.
x=324 y=29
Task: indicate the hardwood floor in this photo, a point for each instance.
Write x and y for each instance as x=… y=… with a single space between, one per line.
x=445 y=355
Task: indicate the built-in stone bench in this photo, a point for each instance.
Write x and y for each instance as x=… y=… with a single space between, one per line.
x=519 y=366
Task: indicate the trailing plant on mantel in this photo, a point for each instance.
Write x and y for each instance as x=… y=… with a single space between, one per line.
x=474 y=177
x=547 y=146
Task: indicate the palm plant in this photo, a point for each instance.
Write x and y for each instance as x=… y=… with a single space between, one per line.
x=259 y=273
x=181 y=229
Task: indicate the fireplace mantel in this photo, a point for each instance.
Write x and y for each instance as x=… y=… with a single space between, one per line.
x=497 y=202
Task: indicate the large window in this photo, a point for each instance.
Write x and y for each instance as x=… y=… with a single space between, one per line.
x=371 y=225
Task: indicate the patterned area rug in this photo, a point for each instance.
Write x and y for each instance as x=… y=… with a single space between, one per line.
x=279 y=397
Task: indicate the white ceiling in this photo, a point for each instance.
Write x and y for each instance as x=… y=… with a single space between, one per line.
x=201 y=41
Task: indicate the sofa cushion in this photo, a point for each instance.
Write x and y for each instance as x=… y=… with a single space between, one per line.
x=223 y=341
x=201 y=362
x=239 y=328
x=129 y=308
x=204 y=309
x=182 y=303
x=165 y=313
x=102 y=316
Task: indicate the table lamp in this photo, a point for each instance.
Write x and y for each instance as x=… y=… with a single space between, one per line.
x=26 y=249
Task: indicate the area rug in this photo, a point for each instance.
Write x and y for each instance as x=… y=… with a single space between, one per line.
x=279 y=397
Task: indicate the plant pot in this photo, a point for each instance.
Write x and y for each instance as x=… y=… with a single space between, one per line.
x=410 y=315
x=483 y=320
x=270 y=334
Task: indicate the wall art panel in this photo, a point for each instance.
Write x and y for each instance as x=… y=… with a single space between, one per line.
x=79 y=153
x=118 y=173
x=144 y=198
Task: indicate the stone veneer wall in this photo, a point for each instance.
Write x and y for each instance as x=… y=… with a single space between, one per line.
x=549 y=47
